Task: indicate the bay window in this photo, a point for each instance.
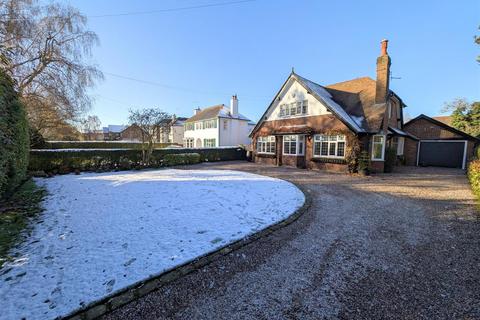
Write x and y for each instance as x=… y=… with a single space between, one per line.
x=329 y=146
x=378 y=147
x=294 y=145
x=266 y=144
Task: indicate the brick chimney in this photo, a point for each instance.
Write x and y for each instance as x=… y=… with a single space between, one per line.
x=234 y=106
x=383 y=74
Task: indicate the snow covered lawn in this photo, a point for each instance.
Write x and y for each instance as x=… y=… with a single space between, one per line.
x=102 y=232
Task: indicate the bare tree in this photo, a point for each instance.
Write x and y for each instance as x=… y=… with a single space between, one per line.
x=45 y=48
x=150 y=122
x=90 y=127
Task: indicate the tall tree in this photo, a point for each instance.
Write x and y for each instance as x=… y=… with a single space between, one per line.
x=151 y=122
x=46 y=50
x=91 y=126
x=465 y=116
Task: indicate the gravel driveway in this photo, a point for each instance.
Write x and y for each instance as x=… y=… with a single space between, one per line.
x=404 y=245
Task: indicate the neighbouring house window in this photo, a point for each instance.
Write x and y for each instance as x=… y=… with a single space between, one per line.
x=209 y=143
x=293 y=144
x=266 y=144
x=329 y=146
x=298 y=108
x=189 y=143
x=225 y=124
x=209 y=124
x=378 y=147
x=189 y=126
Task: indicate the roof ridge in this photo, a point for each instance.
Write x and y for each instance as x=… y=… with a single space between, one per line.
x=351 y=80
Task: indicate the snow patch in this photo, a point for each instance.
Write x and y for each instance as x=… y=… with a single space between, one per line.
x=103 y=232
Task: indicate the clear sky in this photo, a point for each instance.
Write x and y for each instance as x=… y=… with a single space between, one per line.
x=200 y=57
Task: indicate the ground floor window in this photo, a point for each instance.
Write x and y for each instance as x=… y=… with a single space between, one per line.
x=378 y=147
x=397 y=144
x=208 y=143
x=189 y=142
x=294 y=145
x=329 y=146
x=266 y=144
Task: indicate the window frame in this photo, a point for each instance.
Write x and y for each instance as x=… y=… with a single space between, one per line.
x=266 y=143
x=290 y=110
x=299 y=140
x=188 y=145
x=382 y=158
x=205 y=140
x=328 y=141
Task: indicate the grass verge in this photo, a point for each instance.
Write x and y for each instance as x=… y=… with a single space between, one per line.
x=15 y=213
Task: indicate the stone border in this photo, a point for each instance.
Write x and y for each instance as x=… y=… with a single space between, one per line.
x=144 y=287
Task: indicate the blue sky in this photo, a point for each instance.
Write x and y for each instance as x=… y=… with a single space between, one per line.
x=200 y=57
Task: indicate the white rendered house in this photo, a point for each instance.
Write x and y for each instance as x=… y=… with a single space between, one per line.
x=217 y=126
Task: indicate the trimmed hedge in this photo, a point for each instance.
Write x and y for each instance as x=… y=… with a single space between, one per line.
x=14 y=138
x=473 y=173
x=96 y=145
x=103 y=160
x=181 y=158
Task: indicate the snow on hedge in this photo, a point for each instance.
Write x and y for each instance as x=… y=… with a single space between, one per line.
x=102 y=232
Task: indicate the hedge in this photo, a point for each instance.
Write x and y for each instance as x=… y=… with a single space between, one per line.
x=56 y=161
x=96 y=145
x=14 y=137
x=473 y=173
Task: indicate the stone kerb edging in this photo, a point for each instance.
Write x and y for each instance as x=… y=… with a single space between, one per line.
x=141 y=288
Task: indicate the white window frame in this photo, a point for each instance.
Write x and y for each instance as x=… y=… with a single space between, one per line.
x=209 y=140
x=287 y=108
x=329 y=140
x=383 y=147
x=298 y=138
x=189 y=142
x=266 y=145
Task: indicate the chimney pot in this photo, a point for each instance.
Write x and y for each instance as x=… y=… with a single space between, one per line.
x=384 y=47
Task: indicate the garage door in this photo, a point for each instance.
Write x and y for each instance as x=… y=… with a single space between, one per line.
x=441 y=154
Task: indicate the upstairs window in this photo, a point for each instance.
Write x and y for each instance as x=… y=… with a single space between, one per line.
x=329 y=146
x=299 y=108
x=209 y=124
x=198 y=126
x=266 y=144
x=189 y=126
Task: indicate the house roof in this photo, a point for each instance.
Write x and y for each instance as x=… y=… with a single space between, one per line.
x=219 y=110
x=352 y=101
x=443 y=125
x=114 y=128
x=445 y=119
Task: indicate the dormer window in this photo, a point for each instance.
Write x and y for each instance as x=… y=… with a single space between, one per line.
x=294 y=109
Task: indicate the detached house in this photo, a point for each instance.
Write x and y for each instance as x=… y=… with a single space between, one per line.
x=308 y=125
x=217 y=126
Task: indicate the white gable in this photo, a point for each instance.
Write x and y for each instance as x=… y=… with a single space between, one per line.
x=294 y=92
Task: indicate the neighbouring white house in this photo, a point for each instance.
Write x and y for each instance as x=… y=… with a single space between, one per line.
x=217 y=126
x=173 y=132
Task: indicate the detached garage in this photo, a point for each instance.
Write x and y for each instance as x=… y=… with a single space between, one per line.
x=438 y=144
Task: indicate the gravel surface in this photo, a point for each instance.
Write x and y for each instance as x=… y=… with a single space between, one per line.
x=404 y=245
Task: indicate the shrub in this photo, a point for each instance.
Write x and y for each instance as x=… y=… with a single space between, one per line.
x=473 y=173
x=181 y=158
x=96 y=145
x=390 y=158
x=14 y=137
x=56 y=161
x=364 y=163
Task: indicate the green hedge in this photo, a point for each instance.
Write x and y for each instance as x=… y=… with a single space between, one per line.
x=14 y=138
x=473 y=173
x=96 y=145
x=181 y=158
x=94 y=160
